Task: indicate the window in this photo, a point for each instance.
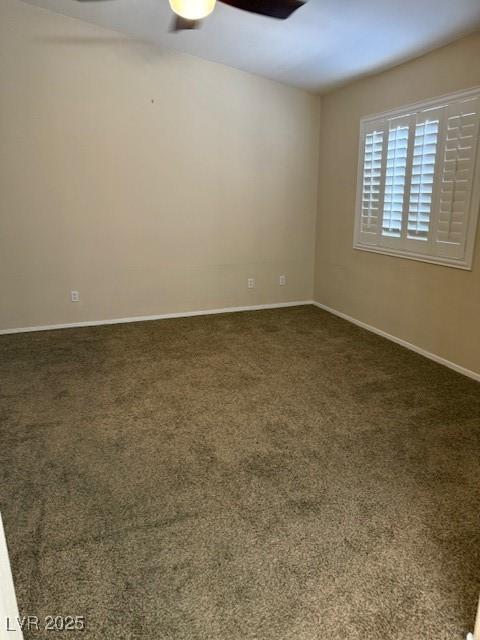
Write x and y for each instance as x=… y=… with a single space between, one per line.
x=418 y=192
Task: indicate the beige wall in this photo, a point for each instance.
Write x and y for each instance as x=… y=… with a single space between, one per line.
x=436 y=308
x=145 y=207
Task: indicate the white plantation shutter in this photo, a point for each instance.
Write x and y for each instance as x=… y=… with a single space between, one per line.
x=423 y=173
x=373 y=171
x=419 y=181
x=456 y=177
x=395 y=180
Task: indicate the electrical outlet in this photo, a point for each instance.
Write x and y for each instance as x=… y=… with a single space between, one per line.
x=75 y=295
x=282 y=280
x=251 y=283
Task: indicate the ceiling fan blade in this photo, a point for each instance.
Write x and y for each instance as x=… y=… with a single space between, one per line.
x=180 y=24
x=280 y=9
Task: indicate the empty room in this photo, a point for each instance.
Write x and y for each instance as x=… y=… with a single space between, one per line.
x=240 y=319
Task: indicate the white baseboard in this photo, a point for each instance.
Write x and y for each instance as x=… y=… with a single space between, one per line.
x=258 y=307
x=162 y=316
x=403 y=343
x=9 y=623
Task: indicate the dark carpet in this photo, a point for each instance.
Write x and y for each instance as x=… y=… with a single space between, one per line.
x=271 y=475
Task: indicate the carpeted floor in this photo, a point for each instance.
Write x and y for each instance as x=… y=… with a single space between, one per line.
x=271 y=475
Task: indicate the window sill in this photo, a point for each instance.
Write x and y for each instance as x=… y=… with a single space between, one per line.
x=444 y=262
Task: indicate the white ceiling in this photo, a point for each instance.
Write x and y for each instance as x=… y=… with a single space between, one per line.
x=323 y=44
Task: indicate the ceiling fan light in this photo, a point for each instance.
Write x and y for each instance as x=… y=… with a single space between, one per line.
x=192 y=9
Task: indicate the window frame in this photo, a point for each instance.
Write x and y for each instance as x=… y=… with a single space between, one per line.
x=405 y=112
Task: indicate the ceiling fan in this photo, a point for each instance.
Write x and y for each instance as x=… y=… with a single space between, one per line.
x=190 y=13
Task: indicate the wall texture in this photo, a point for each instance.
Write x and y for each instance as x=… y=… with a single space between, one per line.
x=150 y=181
x=434 y=307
